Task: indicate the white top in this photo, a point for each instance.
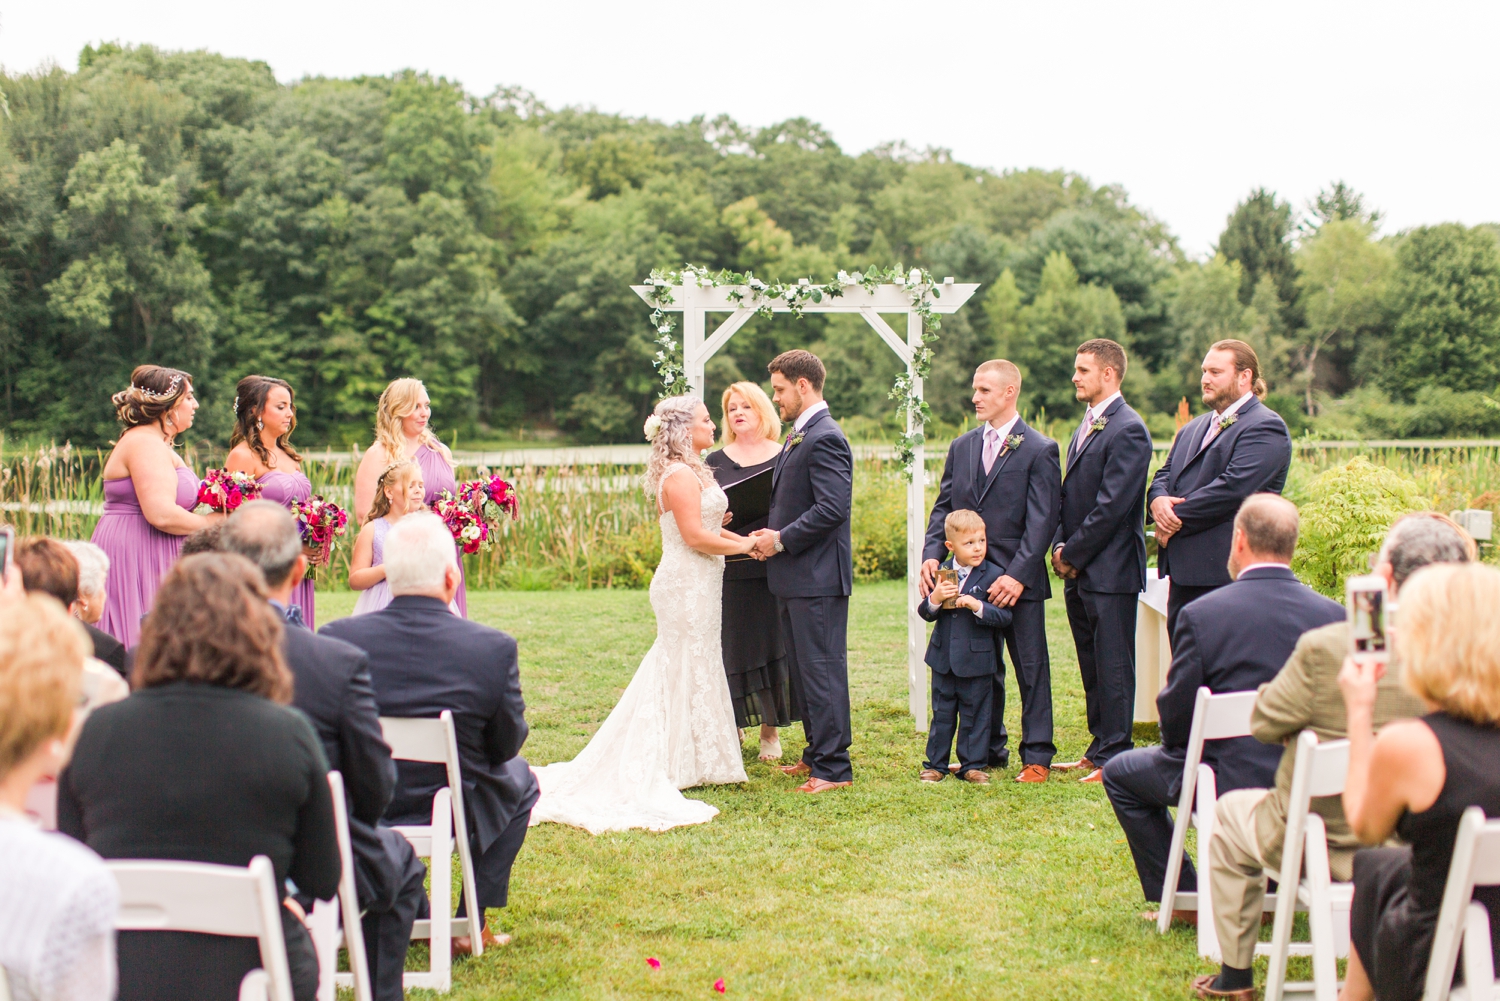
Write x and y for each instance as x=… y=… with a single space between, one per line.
x=1262 y=566
x=57 y=916
x=1003 y=429
x=808 y=414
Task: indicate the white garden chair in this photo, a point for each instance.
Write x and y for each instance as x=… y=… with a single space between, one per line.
x=1321 y=771
x=436 y=741
x=1476 y=862
x=1215 y=717
x=324 y=922
x=213 y=900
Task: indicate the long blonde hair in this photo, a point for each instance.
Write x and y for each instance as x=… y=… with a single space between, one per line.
x=770 y=424
x=398 y=402
x=672 y=441
x=399 y=473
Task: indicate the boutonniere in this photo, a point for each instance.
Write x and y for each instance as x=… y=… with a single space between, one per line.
x=1098 y=423
x=795 y=438
x=1012 y=443
x=1225 y=421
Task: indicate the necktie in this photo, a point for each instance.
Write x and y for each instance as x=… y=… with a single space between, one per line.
x=1083 y=429
x=991 y=447
x=1213 y=431
x=294 y=616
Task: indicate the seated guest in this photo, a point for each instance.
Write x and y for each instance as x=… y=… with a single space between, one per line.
x=332 y=686
x=57 y=900
x=206 y=763
x=49 y=567
x=1251 y=823
x=424 y=659
x=962 y=652
x=205 y=540
x=1230 y=640
x=1417 y=778
x=93 y=575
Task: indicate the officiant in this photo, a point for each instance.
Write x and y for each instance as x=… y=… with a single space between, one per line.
x=754 y=655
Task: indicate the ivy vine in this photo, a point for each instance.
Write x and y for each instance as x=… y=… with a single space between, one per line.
x=750 y=291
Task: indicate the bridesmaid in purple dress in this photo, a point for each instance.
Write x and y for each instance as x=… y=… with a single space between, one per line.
x=402 y=432
x=265 y=414
x=149 y=496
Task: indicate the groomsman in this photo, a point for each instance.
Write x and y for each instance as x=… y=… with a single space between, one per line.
x=1240 y=447
x=1010 y=475
x=1100 y=547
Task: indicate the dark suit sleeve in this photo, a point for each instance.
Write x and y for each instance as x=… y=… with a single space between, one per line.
x=1119 y=498
x=831 y=473
x=369 y=774
x=506 y=730
x=1159 y=482
x=1261 y=454
x=315 y=864
x=932 y=547
x=991 y=616
x=1043 y=512
x=926 y=611
x=1175 y=702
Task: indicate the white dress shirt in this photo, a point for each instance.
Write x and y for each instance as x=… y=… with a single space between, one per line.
x=809 y=414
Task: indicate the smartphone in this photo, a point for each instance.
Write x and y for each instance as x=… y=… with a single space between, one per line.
x=7 y=547
x=1368 y=605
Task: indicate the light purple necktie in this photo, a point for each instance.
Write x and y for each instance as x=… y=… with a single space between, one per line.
x=991 y=448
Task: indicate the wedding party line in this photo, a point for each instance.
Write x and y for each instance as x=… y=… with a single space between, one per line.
x=146 y=675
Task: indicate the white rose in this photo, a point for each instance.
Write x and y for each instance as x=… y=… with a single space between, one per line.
x=653 y=425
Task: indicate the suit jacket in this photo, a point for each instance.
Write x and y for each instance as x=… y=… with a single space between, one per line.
x=333 y=690
x=812 y=490
x=1102 y=531
x=1251 y=455
x=424 y=659
x=1233 y=640
x=108 y=649
x=1018 y=501
x=963 y=644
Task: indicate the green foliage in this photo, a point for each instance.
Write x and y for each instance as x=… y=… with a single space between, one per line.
x=1346 y=512
x=1062 y=315
x=1342 y=276
x=1257 y=236
x=878 y=525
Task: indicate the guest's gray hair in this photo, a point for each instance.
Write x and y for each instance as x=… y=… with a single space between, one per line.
x=265 y=534
x=93 y=566
x=418 y=548
x=1422 y=538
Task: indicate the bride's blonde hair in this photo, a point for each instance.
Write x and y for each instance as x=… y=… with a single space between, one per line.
x=670 y=431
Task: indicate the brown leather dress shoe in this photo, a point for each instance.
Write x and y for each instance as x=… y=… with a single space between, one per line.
x=816 y=785
x=1083 y=764
x=1095 y=776
x=463 y=946
x=795 y=771
x=977 y=777
x=1204 y=987
x=931 y=775
x=1034 y=773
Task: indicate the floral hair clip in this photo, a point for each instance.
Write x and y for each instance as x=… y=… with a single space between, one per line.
x=652 y=428
x=152 y=394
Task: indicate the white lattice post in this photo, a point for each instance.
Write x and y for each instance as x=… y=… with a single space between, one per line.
x=916 y=526
x=694 y=319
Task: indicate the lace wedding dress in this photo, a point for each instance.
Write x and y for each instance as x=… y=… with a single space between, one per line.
x=674 y=726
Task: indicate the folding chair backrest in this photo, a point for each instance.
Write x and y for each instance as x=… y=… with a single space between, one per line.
x=324 y=920
x=1476 y=862
x=417 y=739
x=1228 y=715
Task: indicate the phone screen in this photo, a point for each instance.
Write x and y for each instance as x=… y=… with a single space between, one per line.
x=7 y=540
x=1367 y=620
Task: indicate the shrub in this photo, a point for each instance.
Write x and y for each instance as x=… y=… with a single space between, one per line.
x=878 y=525
x=1346 y=512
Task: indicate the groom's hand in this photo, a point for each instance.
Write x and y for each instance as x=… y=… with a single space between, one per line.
x=1006 y=591
x=929 y=568
x=765 y=543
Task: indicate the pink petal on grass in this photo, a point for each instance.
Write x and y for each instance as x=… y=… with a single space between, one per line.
x=653 y=962
x=719 y=985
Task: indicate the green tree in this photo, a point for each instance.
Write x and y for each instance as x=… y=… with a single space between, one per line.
x=1203 y=305
x=1257 y=237
x=1062 y=315
x=1338 y=201
x=1342 y=278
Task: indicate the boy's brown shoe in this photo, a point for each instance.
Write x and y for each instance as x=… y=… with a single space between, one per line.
x=977 y=777
x=931 y=775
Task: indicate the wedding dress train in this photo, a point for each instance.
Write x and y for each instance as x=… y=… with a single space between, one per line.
x=674 y=726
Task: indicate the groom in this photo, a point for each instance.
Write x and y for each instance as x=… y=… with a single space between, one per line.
x=811 y=568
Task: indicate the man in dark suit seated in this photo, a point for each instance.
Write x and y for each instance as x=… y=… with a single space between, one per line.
x=1232 y=640
x=425 y=659
x=332 y=688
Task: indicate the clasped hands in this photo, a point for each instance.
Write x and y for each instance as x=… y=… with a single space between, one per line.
x=1004 y=593
x=1064 y=569
x=765 y=543
x=1167 y=522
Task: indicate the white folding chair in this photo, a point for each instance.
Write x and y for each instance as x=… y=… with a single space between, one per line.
x=1476 y=862
x=324 y=921
x=211 y=900
x=436 y=741
x=1215 y=717
x=1321 y=770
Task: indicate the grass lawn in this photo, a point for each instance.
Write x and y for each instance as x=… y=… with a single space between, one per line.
x=889 y=889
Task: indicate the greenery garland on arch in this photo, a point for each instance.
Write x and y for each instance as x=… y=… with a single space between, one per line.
x=753 y=293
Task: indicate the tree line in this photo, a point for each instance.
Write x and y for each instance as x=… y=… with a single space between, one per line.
x=187 y=209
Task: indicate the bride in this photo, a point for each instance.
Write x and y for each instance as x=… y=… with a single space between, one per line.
x=674 y=726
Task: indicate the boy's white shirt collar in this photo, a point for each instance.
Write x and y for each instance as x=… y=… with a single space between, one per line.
x=808 y=414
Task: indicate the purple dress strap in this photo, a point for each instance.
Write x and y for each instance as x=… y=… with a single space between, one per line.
x=287 y=489
x=139 y=554
x=438 y=476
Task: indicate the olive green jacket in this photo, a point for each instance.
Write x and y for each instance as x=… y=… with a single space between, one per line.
x=1305 y=695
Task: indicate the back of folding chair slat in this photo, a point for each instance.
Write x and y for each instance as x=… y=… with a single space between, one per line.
x=187 y=896
x=1476 y=862
x=415 y=739
x=1229 y=715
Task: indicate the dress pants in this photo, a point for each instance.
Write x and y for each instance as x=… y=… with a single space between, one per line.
x=1026 y=639
x=1104 y=635
x=1179 y=595
x=816 y=634
x=1141 y=784
x=965 y=705
x=492 y=866
x=387 y=921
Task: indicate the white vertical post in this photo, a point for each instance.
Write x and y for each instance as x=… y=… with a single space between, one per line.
x=916 y=526
x=693 y=321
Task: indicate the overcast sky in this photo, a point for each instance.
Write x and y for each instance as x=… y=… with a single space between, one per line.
x=1188 y=105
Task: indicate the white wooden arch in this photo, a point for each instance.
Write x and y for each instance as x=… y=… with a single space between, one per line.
x=695 y=302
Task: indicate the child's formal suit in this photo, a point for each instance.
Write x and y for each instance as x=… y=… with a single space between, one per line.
x=963 y=654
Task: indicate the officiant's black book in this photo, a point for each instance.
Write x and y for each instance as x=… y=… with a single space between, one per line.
x=749 y=500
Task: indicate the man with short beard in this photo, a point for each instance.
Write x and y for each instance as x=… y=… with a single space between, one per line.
x=1240 y=447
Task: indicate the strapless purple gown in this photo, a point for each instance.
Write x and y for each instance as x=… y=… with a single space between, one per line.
x=437 y=476
x=286 y=489
x=139 y=555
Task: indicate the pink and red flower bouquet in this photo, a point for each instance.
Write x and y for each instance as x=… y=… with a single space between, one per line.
x=467 y=526
x=492 y=489
x=224 y=491
x=320 y=521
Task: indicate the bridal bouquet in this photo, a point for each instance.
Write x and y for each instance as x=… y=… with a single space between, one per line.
x=468 y=527
x=320 y=522
x=491 y=489
x=224 y=491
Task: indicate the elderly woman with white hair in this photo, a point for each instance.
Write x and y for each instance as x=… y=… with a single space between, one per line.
x=88 y=608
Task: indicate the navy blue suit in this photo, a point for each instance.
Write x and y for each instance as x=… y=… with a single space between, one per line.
x=1103 y=535
x=424 y=659
x=812 y=490
x=1018 y=500
x=1232 y=640
x=1250 y=456
x=963 y=652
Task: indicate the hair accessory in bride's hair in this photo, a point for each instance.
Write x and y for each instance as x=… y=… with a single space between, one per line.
x=653 y=426
x=236 y=404
x=152 y=394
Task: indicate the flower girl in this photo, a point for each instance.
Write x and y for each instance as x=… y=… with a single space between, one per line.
x=398 y=493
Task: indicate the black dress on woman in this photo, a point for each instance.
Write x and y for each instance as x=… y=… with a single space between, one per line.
x=754 y=656
x=1399 y=891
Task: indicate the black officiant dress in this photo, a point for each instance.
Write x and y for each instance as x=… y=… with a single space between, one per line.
x=754 y=655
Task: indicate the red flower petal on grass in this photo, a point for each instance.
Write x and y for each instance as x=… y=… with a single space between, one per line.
x=719 y=985
x=653 y=962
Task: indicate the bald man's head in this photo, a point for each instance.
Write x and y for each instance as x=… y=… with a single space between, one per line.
x=1268 y=525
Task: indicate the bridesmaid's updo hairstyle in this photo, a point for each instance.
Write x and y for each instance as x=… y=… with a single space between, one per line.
x=669 y=429
x=398 y=474
x=399 y=401
x=154 y=391
x=249 y=403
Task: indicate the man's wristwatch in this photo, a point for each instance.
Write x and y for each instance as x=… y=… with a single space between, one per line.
x=779 y=547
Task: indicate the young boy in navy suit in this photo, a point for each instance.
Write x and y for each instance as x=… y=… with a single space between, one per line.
x=963 y=652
